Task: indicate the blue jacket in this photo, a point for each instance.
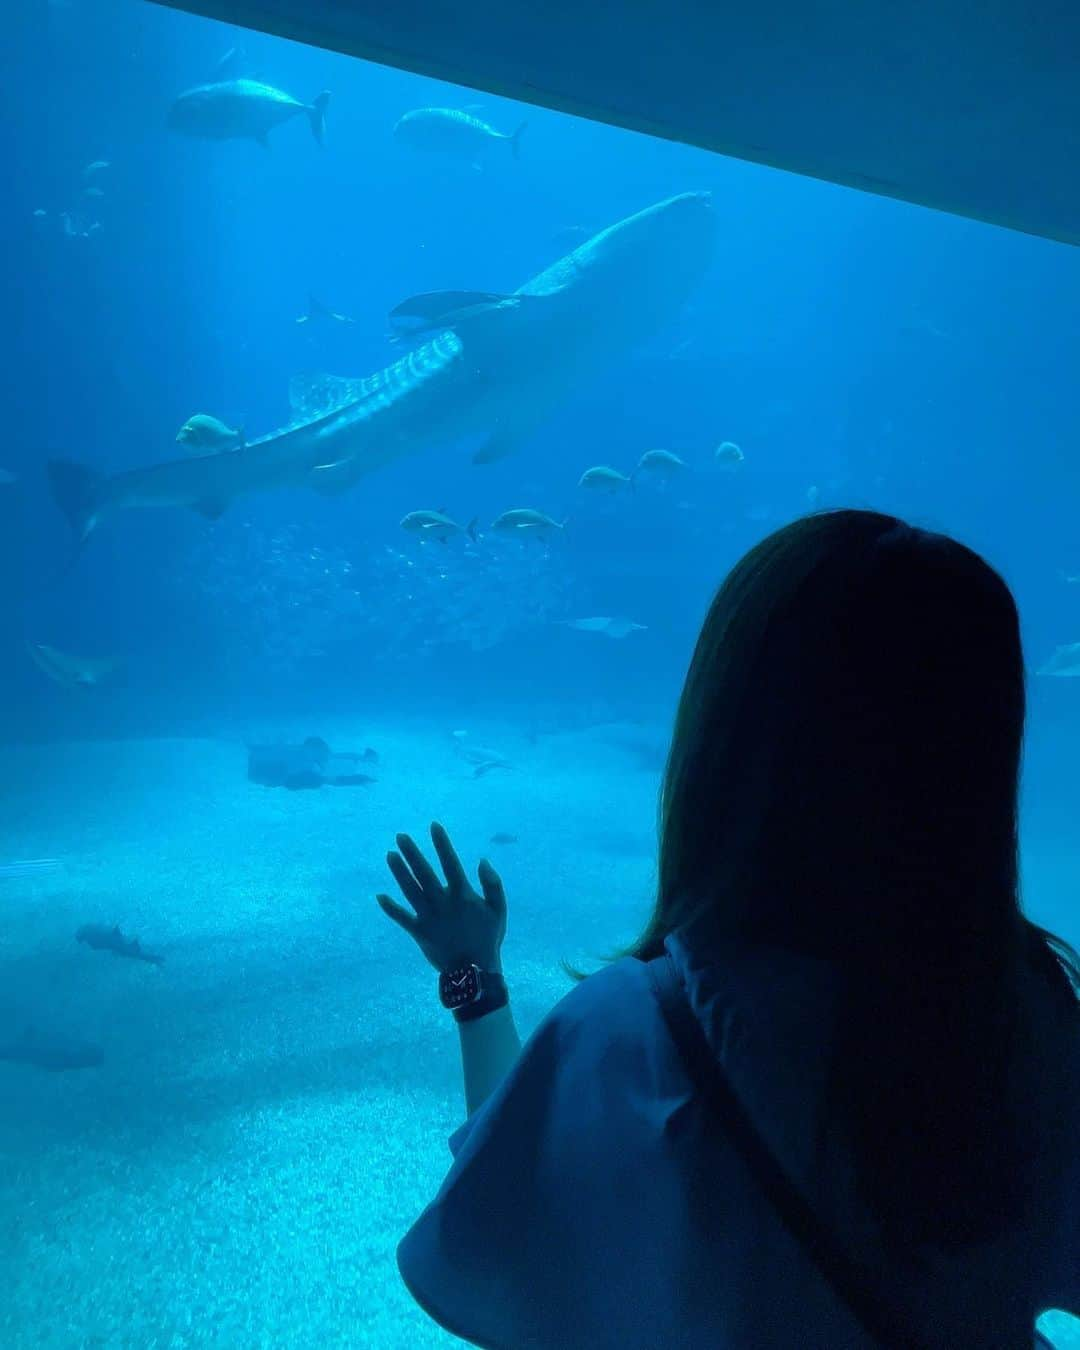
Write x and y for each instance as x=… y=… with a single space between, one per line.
x=594 y=1203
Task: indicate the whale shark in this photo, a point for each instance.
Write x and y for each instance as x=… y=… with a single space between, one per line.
x=496 y=374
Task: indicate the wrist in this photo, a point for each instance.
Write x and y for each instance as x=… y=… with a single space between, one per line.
x=470 y=991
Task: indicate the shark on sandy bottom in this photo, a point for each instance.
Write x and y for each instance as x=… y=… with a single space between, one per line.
x=102 y=938
x=497 y=371
x=310 y=765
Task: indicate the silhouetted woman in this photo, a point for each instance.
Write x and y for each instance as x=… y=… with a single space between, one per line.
x=838 y=895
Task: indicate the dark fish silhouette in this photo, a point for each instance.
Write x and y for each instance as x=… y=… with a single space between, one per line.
x=55 y=1053
x=105 y=939
x=317 y=311
x=311 y=765
x=435 y=311
x=501 y=837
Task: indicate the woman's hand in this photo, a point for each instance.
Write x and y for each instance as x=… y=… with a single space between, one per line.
x=452 y=925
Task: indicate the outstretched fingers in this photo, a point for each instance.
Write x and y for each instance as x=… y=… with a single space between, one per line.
x=400 y=916
x=492 y=886
x=451 y=863
x=421 y=868
x=410 y=887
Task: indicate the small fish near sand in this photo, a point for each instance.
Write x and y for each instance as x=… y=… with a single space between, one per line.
x=603 y=478
x=318 y=313
x=206 y=435
x=243 y=110
x=1064 y=662
x=455 y=133
x=58 y=1054
x=73 y=672
x=102 y=938
x=311 y=765
x=482 y=757
x=525 y=521
x=437 y=525
x=612 y=628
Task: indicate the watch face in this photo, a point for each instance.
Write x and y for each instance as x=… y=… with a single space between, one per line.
x=459 y=987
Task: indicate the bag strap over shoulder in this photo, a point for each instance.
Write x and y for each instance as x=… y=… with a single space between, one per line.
x=848 y=1280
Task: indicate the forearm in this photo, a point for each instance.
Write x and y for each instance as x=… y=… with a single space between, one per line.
x=489 y=1047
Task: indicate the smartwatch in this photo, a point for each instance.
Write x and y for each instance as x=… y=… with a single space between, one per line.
x=470 y=992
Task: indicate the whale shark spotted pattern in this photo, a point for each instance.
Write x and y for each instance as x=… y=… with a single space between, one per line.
x=499 y=377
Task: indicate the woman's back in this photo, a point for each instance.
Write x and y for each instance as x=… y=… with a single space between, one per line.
x=633 y=1219
x=838 y=886
x=769 y=1015
x=843 y=782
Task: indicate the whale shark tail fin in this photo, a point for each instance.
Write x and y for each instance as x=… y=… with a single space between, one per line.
x=515 y=140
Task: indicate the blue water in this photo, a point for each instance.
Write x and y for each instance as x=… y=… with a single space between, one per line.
x=272 y=1110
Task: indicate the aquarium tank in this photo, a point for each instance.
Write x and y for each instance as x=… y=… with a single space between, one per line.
x=261 y=531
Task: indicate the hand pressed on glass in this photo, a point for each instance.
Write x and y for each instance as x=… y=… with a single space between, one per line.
x=453 y=925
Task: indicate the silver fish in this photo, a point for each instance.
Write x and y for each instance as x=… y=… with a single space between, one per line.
x=242 y=110
x=612 y=628
x=450 y=131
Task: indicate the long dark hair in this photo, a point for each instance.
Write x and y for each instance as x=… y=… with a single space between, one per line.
x=843 y=780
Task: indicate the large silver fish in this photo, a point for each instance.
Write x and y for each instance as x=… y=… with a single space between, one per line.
x=498 y=375
x=454 y=132
x=242 y=110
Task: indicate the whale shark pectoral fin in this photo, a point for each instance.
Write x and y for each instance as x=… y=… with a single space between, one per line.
x=213 y=508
